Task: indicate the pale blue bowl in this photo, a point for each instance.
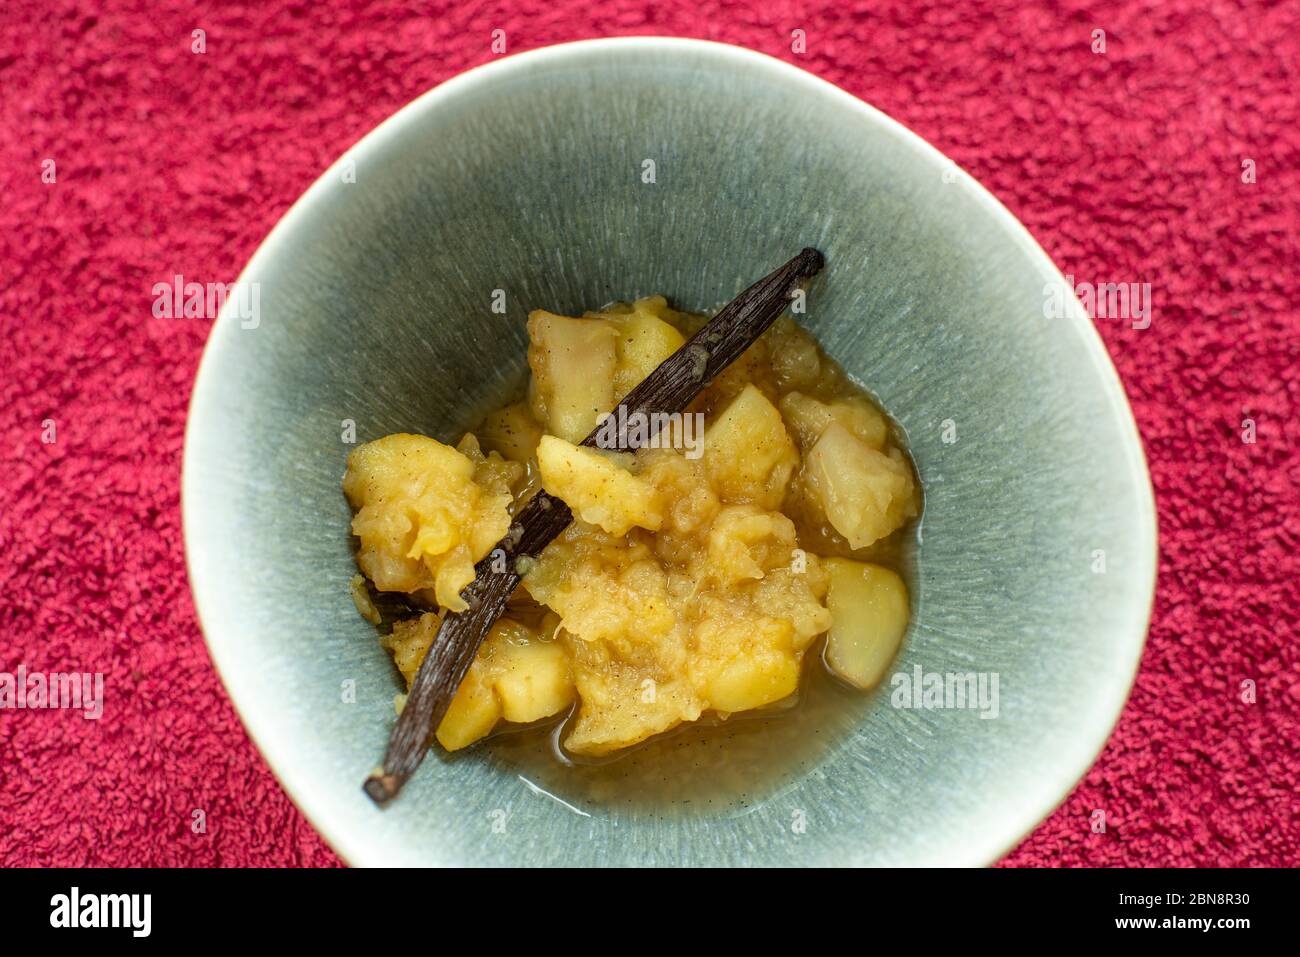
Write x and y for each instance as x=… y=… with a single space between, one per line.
x=526 y=175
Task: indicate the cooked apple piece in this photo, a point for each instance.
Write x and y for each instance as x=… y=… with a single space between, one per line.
x=745 y=541
x=598 y=489
x=868 y=606
x=754 y=680
x=796 y=361
x=409 y=641
x=532 y=679
x=808 y=418
x=745 y=655
x=865 y=494
x=511 y=431
x=422 y=518
x=747 y=452
x=573 y=363
x=644 y=341
x=473 y=712
x=492 y=472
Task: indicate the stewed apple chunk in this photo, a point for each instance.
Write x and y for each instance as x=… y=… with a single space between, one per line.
x=644 y=341
x=864 y=493
x=583 y=367
x=573 y=363
x=808 y=418
x=598 y=486
x=425 y=513
x=748 y=453
x=868 y=606
x=511 y=431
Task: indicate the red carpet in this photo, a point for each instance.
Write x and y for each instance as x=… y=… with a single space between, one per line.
x=1127 y=165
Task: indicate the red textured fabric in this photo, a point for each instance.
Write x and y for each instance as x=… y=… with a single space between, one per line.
x=1127 y=165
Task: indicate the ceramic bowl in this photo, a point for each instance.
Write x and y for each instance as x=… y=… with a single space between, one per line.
x=532 y=175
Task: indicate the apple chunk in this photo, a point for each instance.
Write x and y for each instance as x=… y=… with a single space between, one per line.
x=868 y=606
x=573 y=363
x=748 y=453
x=598 y=489
x=865 y=494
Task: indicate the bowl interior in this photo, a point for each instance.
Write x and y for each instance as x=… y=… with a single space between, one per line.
x=530 y=176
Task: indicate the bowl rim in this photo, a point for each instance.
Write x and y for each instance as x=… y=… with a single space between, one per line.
x=999 y=835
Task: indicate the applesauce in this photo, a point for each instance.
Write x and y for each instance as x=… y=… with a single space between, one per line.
x=724 y=573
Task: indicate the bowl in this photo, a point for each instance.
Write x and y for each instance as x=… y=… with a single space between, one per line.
x=574 y=175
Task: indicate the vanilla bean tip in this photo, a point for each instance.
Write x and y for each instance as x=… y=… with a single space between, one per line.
x=382 y=788
x=811 y=261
